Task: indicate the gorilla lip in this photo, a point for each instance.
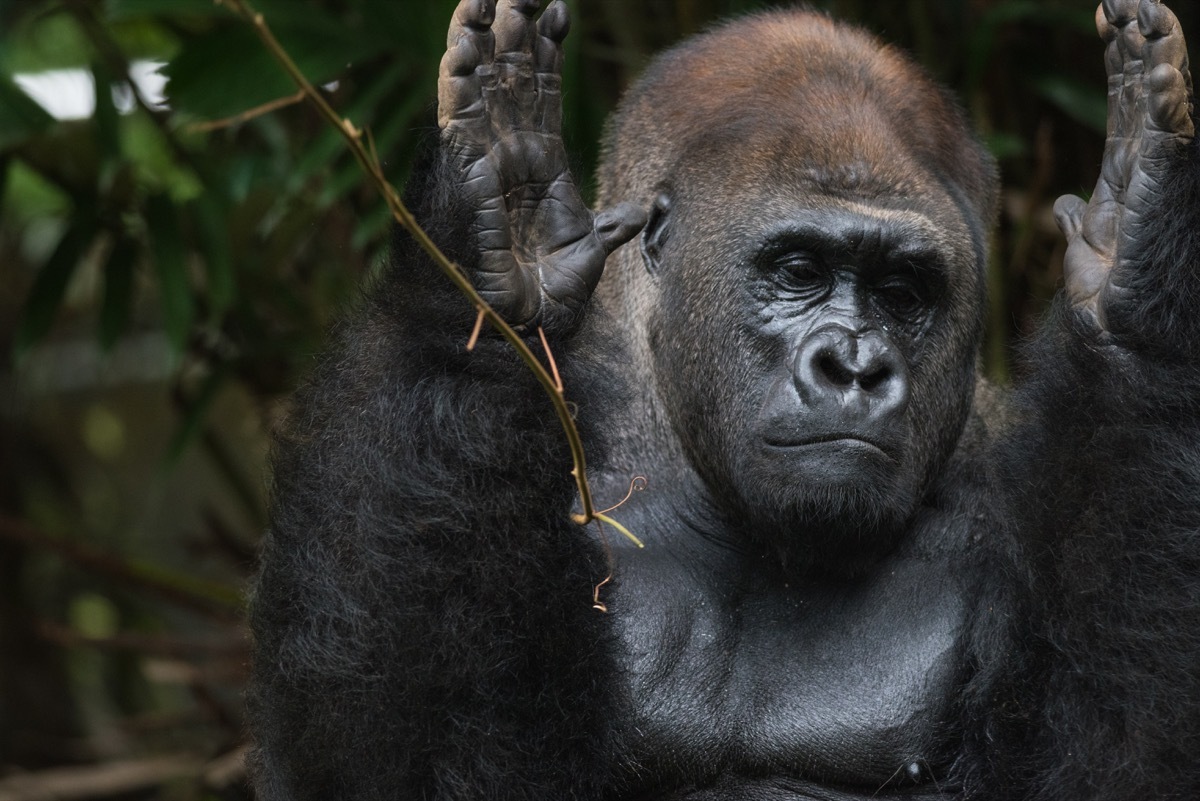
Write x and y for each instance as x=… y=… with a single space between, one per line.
x=847 y=440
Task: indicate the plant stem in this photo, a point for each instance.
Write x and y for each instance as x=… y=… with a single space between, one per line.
x=401 y=213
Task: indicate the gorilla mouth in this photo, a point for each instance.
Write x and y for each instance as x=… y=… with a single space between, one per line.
x=849 y=442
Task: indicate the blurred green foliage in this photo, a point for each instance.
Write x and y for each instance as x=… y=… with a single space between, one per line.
x=199 y=250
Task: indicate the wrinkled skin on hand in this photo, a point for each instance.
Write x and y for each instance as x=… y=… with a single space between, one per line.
x=541 y=250
x=1149 y=124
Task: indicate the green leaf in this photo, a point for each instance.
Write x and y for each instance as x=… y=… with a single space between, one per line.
x=1082 y=102
x=186 y=584
x=126 y=9
x=196 y=413
x=166 y=248
x=152 y=38
x=981 y=44
x=209 y=76
x=328 y=146
x=118 y=291
x=29 y=196
x=386 y=138
x=157 y=167
x=417 y=30
x=213 y=236
x=1006 y=145
x=21 y=118
x=105 y=116
x=46 y=295
x=51 y=40
x=5 y=162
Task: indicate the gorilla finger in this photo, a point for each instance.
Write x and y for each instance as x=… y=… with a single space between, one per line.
x=1120 y=12
x=616 y=226
x=552 y=28
x=460 y=95
x=547 y=113
x=1168 y=102
x=1068 y=213
x=1132 y=44
x=1155 y=20
x=1106 y=29
x=1165 y=44
x=463 y=57
x=555 y=22
x=1114 y=66
x=471 y=16
x=1123 y=64
x=1124 y=49
x=514 y=26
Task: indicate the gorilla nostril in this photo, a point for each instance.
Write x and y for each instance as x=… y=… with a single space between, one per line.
x=871 y=380
x=833 y=370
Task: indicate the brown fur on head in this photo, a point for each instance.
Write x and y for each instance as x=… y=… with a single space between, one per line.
x=797 y=70
x=794 y=73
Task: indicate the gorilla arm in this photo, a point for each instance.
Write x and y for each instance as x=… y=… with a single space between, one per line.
x=423 y=618
x=1100 y=696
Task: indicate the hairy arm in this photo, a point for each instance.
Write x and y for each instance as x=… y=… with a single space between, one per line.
x=1099 y=697
x=423 y=619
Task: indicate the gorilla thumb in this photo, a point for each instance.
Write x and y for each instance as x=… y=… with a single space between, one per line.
x=616 y=226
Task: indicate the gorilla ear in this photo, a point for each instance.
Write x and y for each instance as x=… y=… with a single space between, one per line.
x=654 y=236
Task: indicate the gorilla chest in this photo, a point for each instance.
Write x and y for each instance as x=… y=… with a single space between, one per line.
x=845 y=683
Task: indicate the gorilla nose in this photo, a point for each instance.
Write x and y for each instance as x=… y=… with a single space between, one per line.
x=860 y=372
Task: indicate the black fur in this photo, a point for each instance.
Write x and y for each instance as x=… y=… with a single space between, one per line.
x=423 y=619
x=415 y=630
x=1092 y=691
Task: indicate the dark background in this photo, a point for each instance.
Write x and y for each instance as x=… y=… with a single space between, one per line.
x=166 y=275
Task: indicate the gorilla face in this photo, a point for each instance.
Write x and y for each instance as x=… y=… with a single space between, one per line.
x=815 y=346
x=809 y=298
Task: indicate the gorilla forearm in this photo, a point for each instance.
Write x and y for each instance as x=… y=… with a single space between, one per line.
x=1103 y=472
x=1101 y=477
x=1162 y=320
x=422 y=618
x=424 y=621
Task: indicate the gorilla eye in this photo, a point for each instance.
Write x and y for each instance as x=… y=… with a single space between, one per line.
x=801 y=272
x=902 y=297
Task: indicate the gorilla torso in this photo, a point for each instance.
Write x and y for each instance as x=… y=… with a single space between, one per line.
x=737 y=668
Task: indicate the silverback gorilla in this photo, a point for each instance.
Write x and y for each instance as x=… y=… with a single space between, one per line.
x=868 y=574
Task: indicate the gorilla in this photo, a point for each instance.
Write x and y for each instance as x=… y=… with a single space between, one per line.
x=867 y=573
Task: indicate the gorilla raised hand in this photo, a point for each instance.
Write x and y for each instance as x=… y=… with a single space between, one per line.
x=868 y=574
x=540 y=251
x=1150 y=131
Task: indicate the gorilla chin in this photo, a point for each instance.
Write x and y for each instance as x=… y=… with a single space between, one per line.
x=846 y=503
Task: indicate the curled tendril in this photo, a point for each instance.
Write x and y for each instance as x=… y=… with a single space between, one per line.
x=596 y=602
x=638 y=484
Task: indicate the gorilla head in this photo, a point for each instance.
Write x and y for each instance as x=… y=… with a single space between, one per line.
x=807 y=300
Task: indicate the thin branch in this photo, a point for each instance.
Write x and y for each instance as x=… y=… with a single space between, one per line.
x=476 y=331
x=558 y=384
x=401 y=213
x=249 y=114
x=626 y=532
x=208 y=598
x=162 y=645
x=100 y=781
